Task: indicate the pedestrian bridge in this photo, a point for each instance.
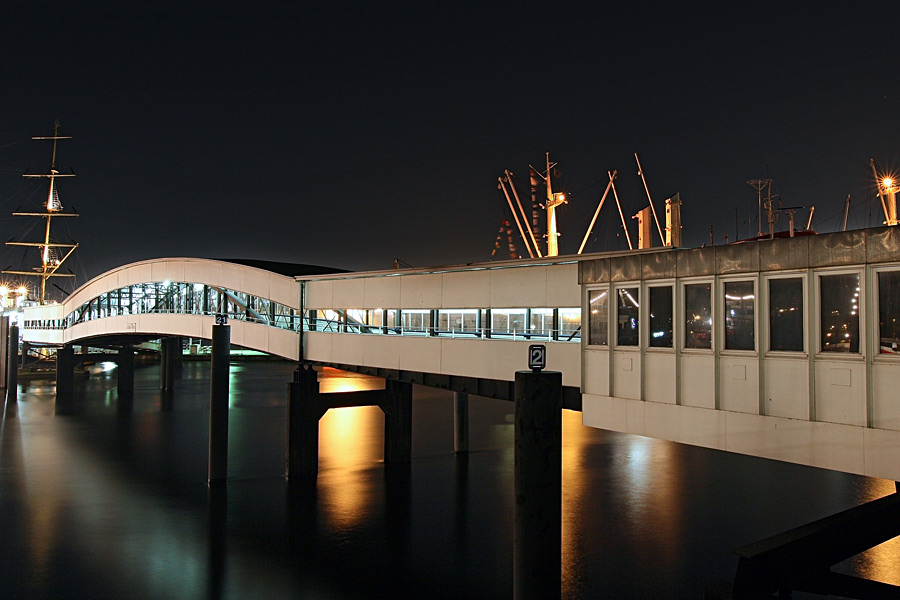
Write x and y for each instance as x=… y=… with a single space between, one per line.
x=784 y=348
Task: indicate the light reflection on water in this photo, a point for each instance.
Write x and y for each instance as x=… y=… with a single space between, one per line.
x=116 y=503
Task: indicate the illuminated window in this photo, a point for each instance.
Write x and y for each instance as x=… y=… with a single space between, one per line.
x=839 y=317
x=786 y=314
x=740 y=324
x=697 y=316
x=598 y=305
x=660 y=316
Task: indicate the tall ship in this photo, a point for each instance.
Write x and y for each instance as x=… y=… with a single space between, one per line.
x=53 y=253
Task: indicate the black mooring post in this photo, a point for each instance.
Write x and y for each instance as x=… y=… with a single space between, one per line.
x=397 y=408
x=125 y=373
x=65 y=375
x=12 y=365
x=537 y=559
x=460 y=422
x=305 y=409
x=218 y=403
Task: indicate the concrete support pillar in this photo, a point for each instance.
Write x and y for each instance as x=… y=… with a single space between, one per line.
x=4 y=348
x=125 y=373
x=168 y=364
x=537 y=559
x=65 y=372
x=460 y=422
x=305 y=408
x=218 y=403
x=12 y=364
x=177 y=356
x=397 y=408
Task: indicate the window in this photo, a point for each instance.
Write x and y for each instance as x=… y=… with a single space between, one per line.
x=839 y=297
x=889 y=311
x=569 y=323
x=627 y=315
x=740 y=325
x=786 y=314
x=697 y=316
x=660 y=317
x=598 y=305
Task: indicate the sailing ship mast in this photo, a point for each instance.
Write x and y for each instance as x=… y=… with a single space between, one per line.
x=50 y=260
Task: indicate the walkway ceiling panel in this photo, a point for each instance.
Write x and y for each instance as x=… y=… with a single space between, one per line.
x=420 y=291
x=319 y=294
x=466 y=289
x=348 y=293
x=139 y=273
x=382 y=292
x=562 y=286
x=521 y=288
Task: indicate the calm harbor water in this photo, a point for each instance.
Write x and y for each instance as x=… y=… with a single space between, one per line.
x=101 y=502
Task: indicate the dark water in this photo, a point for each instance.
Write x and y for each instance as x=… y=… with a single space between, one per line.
x=100 y=503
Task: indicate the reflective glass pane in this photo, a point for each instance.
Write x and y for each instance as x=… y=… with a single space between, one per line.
x=839 y=299
x=889 y=311
x=598 y=305
x=661 y=317
x=697 y=316
x=786 y=314
x=740 y=326
x=627 y=314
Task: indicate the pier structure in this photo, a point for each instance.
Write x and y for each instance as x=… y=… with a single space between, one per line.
x=786 y=349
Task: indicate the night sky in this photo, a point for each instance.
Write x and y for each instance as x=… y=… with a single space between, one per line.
x=348 y=138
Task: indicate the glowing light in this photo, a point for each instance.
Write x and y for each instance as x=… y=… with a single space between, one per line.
x=887 y=182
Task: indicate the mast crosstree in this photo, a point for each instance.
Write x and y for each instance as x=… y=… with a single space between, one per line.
x=49 y=249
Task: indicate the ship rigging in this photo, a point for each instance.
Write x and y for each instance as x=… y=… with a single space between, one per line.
x=49 y=249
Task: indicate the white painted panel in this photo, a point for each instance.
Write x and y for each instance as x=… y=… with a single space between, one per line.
x=420 y=291
x=603 y=412
x=787 y=388
x=286 y=291
x=421 y=354
x=596 y=372
x=232 y=277
x=317 y=346
x=563 y=289
x=382 y=351
x=886 y=407
x=348 y=348
x=319 y=294
x=255 y=282
x=466 y=289
x=698 y=379
x=659 y=377
x=626 y=376
x=739 y=384
x=382 y=292
x=470 y=358
x=840 y=392
x=284 y=343
x=508 y=358
x=561 y=356
x=196 y=271
x=522 y=287
x=881 y=451
x=349 y=293
x=256 y=336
